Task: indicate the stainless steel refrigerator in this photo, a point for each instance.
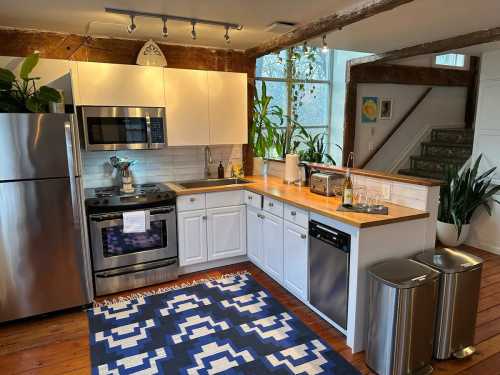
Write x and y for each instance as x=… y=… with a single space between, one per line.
x=44 y=262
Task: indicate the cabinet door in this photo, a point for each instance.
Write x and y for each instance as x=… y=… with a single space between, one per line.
x=226 y=232
x=227 y=93
x=296 y=261
x=192 y=228
x=272 y=234
x=103 y=84
x=254 y=236
x=186 y=103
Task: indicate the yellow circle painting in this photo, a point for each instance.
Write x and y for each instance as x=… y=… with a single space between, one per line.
x=370 y=109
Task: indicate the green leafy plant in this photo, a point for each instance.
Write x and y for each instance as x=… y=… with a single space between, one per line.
x=315 y=151
x=464 y=193
x=22 y=95
x=285 y=139
x=263 y=129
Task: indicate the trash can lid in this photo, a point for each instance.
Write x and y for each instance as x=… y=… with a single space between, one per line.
x=403 y=273
x=448 y=260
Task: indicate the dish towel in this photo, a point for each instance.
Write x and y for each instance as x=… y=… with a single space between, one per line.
x=136 y=221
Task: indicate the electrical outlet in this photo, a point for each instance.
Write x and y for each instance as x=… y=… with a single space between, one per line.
x=386 y=192
x=370 y=146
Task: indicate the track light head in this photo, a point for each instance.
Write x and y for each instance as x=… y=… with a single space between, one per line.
x=324 y=49
x=131 y=28
x=193 y=31
x=226 y=35
x=165 y=29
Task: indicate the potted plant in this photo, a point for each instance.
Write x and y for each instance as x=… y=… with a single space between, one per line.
x=263 y=129
x=315 y=151
x=22 y=95
x=460 y=197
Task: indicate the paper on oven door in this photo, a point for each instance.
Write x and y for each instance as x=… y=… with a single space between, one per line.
x=136 y=221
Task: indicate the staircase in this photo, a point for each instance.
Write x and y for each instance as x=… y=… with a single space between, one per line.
x=447 y=148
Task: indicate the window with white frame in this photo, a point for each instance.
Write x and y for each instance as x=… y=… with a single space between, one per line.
x=451 y=60
x=299 y=81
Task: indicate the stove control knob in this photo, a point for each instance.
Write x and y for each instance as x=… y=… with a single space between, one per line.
x=105 y=201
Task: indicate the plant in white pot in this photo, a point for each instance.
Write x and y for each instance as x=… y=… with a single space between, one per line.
x=460 y=197
x=266 y=120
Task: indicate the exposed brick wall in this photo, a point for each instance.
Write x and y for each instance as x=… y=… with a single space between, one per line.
x=15 y=42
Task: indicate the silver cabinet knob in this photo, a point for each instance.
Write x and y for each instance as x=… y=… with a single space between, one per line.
x=250 y=197
x=303 y=236
x=271 y=204
x=204 y=217
x=192 y=199
x=293 y=213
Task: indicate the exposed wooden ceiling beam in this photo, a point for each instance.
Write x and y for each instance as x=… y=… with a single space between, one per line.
x=438 y=46
x=325 y=25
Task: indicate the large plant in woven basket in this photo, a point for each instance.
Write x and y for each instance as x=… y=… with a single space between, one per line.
x=462 y=195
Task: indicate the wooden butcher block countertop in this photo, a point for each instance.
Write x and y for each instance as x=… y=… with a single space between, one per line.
x=300 y=196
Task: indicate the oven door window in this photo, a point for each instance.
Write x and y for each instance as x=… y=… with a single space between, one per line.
x=116 y=243
x=117 y=130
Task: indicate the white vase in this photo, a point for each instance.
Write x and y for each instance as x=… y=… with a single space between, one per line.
x=258 y=166
x=447 y=234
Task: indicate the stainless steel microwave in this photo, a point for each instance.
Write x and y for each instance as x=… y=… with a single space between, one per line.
x=122 y=128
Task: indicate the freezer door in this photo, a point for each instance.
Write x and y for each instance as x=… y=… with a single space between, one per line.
x=42 y=261
x=34 y=145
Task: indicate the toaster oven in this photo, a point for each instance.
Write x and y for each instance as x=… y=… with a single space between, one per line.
x=327 y=183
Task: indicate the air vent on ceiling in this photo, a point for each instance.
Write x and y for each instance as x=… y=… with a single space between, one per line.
x=280 y=27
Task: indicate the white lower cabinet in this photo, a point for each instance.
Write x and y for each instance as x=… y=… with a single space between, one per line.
x=296 y=260
x=226 y=232
x=254 y=236
x=192 y=233
x=272 y=238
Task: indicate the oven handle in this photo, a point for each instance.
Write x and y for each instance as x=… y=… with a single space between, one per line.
x=108 y=274
x=107 y=217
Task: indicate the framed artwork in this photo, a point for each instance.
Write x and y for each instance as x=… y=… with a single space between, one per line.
x=369 y=109
x=385 y=109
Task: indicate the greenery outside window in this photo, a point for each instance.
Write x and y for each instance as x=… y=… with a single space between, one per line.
x=299 y=80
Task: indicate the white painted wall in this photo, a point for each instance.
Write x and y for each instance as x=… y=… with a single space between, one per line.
x=444 y=106
x=485 y=229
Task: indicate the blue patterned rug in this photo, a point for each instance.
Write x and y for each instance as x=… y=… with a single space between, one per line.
x=230 y=326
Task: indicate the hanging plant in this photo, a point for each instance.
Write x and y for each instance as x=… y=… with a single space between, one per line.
x=21 y=95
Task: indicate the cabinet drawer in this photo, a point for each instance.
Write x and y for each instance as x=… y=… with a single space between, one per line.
x=296 y=215
x=273 y=206
x=224 y=199
x=253 y=199
x=190 y=202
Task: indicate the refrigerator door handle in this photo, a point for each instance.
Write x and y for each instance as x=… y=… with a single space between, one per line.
x=74 y=144
x=70 y=152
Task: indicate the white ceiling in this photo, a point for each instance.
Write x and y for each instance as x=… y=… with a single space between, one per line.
x=418 y=22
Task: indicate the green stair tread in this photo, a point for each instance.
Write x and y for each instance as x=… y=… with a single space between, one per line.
x=422 y=173
x=446 y=145
x=431 y=158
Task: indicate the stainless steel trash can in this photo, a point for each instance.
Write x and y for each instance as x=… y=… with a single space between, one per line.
x=459 y=285
x=402 y=310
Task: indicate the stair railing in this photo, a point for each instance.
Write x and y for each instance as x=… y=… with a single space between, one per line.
x=396 y=127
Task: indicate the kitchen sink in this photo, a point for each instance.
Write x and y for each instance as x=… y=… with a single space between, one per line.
x=212 y=182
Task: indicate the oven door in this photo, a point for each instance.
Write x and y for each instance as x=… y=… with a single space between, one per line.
x=121 y=128
x=111 y=248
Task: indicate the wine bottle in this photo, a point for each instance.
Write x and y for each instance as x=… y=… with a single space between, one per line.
x=347 y=191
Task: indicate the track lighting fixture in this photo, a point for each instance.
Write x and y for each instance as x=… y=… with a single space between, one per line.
x=167 y=17
x=227 y=38
x=324 y=49
x=193 y=31
x=165 y=29
x=131 y=28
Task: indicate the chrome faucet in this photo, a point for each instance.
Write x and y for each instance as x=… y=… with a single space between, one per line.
x=208 y=160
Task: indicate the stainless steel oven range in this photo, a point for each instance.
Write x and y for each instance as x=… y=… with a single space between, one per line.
x=123 y=261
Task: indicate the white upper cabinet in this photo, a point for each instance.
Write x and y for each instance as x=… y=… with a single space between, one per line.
x=186 y=102
x=227 y=105
x=102 y=84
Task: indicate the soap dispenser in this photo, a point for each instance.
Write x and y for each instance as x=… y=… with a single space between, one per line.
x=220 y=170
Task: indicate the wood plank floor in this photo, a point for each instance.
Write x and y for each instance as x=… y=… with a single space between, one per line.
x=58 y=343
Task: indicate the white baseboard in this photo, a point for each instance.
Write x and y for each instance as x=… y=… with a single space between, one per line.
x=486 y=246
x=213 y=264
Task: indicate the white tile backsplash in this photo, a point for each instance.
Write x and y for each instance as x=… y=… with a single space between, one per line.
x=168 y=164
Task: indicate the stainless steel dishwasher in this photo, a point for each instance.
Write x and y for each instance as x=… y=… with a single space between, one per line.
x=329 y=253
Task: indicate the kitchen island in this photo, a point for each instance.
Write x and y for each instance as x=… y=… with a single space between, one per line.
x=401 y=233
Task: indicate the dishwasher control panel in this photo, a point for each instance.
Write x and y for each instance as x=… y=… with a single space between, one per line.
x=335 y=237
